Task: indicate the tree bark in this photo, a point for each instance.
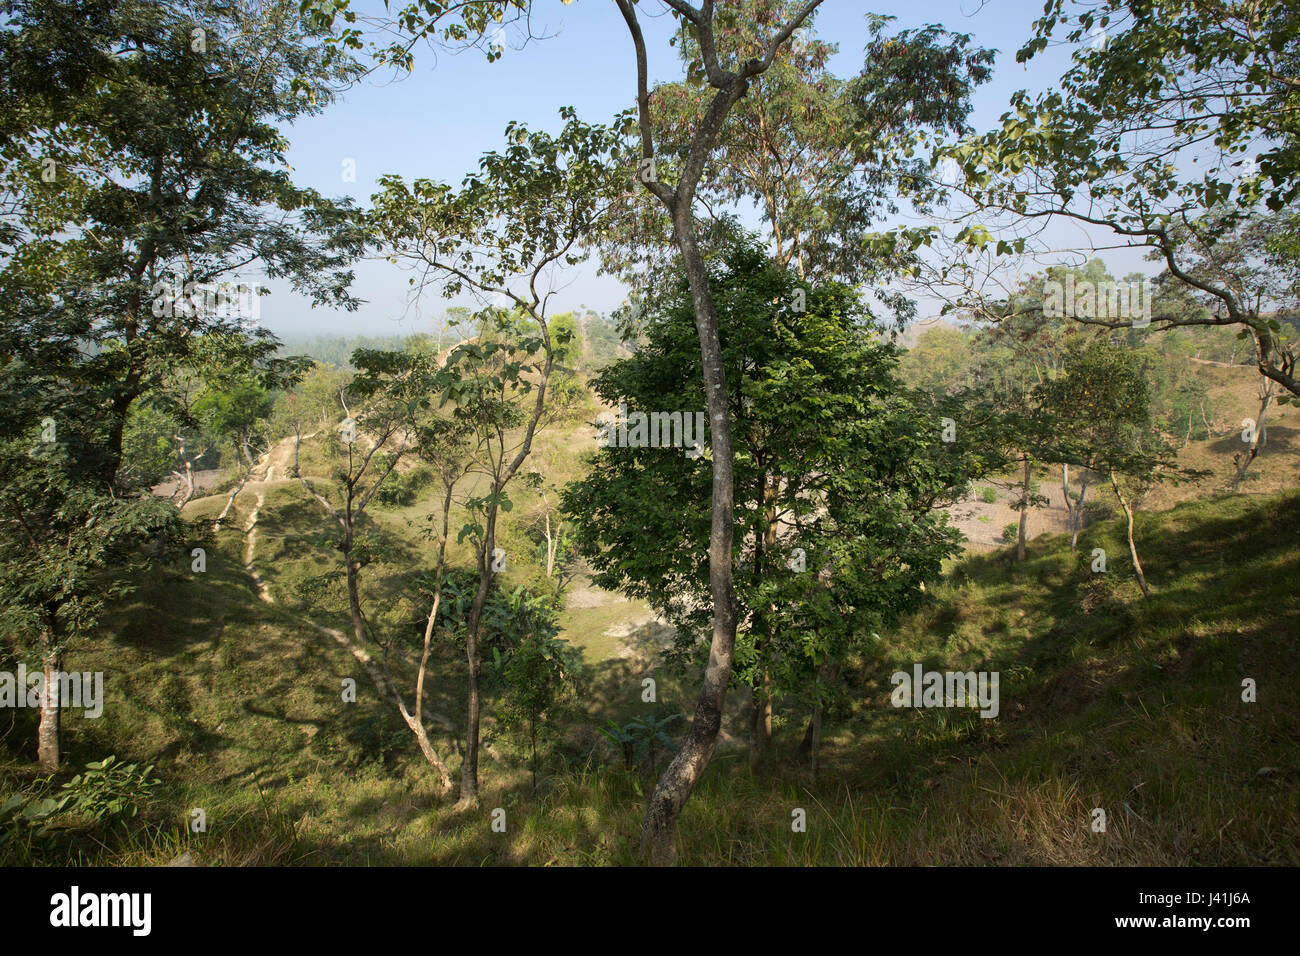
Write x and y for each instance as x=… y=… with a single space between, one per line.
x=1069 y=505
x=1024 y=512
x=1078 y=513
x=474 y=703
x=760 y=724
x=47 y=733
x=1132 y=546
x=1243 y=461
x=683 y=772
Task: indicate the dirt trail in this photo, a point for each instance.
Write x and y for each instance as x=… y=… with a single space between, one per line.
x=282 y=453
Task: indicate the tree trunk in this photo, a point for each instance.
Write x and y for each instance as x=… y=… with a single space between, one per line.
x=1132 y=546
x=811 y=746
x=532 y=740
x=1243 y=461
x=679 y=779
x=1024 y=512
x=1078 y=514
x=760 y=724
x=815 y=755
x=47 y=734
x=354 y=596
x=683 y=772
x=474 y=704
x=231 y=500
x=1069 y=504
x=550 y=549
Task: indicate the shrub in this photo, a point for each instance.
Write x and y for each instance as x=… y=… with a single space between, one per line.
x=109 y=790
x=401 y=489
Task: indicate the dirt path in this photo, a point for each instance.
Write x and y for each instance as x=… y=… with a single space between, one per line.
x=259 y=486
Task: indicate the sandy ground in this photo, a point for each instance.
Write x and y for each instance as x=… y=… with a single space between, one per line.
x=986 y=535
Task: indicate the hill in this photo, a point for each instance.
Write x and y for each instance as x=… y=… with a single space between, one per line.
x=228 y=682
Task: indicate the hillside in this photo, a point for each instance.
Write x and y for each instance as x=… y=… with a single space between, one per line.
x=228 y=681
x=1233 y=395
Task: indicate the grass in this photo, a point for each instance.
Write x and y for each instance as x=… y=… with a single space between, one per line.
x=1107 y=701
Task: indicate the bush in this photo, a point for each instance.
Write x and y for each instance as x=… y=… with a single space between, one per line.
x=1011 y=533
x=402 y=489
x=989 y=494
x=109 y=790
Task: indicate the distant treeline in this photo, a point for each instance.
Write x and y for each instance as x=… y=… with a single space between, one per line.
x=598 y=337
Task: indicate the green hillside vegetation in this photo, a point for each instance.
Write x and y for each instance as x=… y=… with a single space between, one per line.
x=1107 y=701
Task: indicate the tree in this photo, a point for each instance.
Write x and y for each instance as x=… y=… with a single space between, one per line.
x=538 y=670
x=838 y=474
x=821 y=157
x=940 y=361
x=1173 y=126
x=159 y=123
x=729 y=83
x=726 y=59
x=65 y=539
x=1102 y=421
x=141 y=151
x=528 y=209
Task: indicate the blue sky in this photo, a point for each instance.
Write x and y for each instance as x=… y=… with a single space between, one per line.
x=435 y=123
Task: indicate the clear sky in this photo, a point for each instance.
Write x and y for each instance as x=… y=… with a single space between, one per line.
x=437 y=121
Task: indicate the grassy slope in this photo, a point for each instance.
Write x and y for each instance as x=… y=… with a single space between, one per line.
x=1106 y=702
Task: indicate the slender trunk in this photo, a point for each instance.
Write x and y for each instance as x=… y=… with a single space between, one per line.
x=231 y=500
x=1243 y=461
x=469 y=768
x=47 y=733
x=760 y=728
x=415 y=720
x=683 y=772
x=1078 y=514
x=354 y=595
x=297 y=443
x=550 y=549
x=1024 y=512
x=680 y=777
x=1132 y=546
x=760 y=724
x=815 y=757
x=810 y=747
x=1069 y=504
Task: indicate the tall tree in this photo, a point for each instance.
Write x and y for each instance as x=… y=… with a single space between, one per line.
x=838 y=474
x=923 y=76
x=146 y=159
x=728 y=74
x=142 y=151
x=527 y=210
x=1174 y=123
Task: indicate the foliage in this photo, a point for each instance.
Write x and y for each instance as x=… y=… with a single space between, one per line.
x=836 y=464
x=641 y=737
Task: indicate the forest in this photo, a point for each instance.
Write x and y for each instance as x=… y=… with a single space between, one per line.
x=875 y=442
